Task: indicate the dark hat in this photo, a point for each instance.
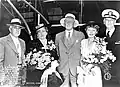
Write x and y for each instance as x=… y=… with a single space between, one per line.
x=38 y=27
x=110 y=13
x=94 y=25
x=17 y=22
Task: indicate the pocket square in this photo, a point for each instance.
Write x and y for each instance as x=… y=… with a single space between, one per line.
x=77 y=41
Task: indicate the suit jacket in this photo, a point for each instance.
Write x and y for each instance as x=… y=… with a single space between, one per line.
x=115 y=48
x=69 y=56
x=8 y=51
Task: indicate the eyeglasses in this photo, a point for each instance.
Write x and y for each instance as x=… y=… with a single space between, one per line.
x=17 y=27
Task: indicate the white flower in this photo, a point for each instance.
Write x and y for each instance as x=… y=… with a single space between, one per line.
x=50 y=42
x=40 y=66
x=102 y=60
x=47 y=62
x=34 y=50
x=52 y=58
x=103 y=50
x=35 y=55
x=95 y=60
x=29 y=54
x=33 y=61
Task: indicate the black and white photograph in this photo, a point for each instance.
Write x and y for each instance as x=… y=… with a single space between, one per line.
x=59 y=43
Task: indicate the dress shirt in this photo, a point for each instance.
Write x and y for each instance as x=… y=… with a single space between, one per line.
x=111 y=31
x=67 y=33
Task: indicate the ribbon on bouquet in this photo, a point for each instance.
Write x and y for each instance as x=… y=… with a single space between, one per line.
x=80 y=76
x=44 y=78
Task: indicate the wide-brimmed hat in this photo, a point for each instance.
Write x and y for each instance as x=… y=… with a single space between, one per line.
x=110 y=13
x=17 y=22
x=69 y=15
x=94 y=24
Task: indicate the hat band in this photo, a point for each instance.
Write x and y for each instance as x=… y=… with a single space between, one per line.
x=110 y=16
x=38 y=27
x=17 y=23
x=70 y=17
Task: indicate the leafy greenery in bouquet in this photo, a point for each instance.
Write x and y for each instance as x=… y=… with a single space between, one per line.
x=100 y=57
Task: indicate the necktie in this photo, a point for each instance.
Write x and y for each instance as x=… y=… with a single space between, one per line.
x=68 y=35
x=108 y=34
x=19 y=53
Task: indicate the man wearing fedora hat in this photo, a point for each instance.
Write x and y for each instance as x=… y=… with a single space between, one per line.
x=12 y=48
x=68 y=48
x=110 y=17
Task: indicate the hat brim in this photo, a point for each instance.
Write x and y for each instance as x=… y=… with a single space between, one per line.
x=17 y=25
x=108 y=10
x=94 y=23
x=76 y=23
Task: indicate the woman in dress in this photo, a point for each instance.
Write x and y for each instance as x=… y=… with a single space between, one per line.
x=42 y=43
x=91 y=73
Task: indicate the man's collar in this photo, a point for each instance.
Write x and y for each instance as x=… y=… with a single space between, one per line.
x=13 y=36
x=69 y=30
x=111 y=31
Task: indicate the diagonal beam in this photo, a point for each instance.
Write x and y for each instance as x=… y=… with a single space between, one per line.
x=21 y=18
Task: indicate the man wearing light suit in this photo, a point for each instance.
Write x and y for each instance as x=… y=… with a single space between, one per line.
x=68 y=48
x=12 y=48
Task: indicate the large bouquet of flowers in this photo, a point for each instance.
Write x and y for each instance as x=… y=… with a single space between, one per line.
x=100 y=57
x=40 y=59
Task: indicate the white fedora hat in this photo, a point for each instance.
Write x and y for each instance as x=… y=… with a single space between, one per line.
x=110 y=13
x=69 y=15
x=17 y=22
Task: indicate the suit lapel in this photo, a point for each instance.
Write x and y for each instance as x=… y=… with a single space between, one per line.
x=22 y=47
x=73 y=39
x=65 y=42
x=64 y=39
x=11 y=44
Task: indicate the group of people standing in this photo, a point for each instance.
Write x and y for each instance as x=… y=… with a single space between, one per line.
x=71 y=45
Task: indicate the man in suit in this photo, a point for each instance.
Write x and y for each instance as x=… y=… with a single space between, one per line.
x=68 y=48
x=12 y=48
x=110 y=17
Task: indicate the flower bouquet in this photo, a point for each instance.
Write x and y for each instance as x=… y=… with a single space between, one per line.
x=100 y=57
x=40 y=59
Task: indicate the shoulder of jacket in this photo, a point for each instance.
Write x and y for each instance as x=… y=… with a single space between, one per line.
x=79 y=33
x=83 y=41
x=22 y=40
x=59 y=34
x=2 y=39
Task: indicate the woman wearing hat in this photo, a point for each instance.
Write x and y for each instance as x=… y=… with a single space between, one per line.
x=92 y=74
x=42 y=44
